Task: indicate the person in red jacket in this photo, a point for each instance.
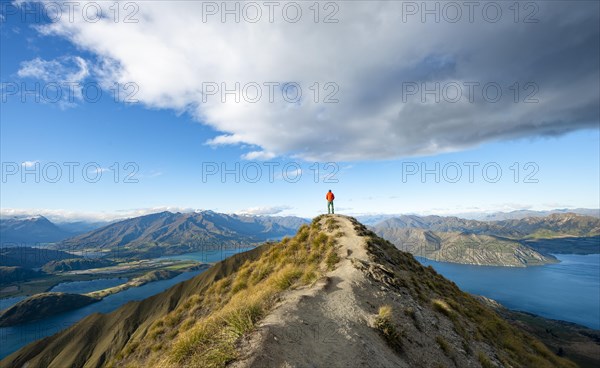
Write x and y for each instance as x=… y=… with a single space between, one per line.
x=329 y=197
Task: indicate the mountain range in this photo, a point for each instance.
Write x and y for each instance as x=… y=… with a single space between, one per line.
x=30 y=257
x=335 y=294
x=510 y=242
x=466 y=248
x=521 y=214
x=486 y=216
x=568 y=224
x=514 y=242
x=174 y=233
x=30 y=230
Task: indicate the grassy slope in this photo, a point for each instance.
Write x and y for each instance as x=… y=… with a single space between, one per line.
x=577 y=343
x=198 y=322
x=475 y=324
x=12 y=274
x=204 y=330
x=76 y=264
x=169 y=325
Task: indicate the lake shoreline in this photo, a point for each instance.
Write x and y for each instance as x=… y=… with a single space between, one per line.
x=547 y=291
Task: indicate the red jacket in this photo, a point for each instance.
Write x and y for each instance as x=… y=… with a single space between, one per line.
x=329 y=196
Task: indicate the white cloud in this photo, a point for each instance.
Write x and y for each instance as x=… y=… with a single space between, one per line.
x=258 y=155
x=273 y=210
x=369 y=55
x=64 y=77
x=61 y=215
x=29 y=164
x=64 y=69
x=97 y=170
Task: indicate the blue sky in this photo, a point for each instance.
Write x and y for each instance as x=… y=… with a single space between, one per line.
x=168 y=143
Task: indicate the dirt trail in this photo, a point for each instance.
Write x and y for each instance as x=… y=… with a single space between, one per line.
x=327 y=324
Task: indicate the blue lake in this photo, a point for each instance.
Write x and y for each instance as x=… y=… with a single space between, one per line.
x=76 y=287
x=13 y=338
x=569 y=290
x=208 y=256
x=17 y=336
x=9 y=302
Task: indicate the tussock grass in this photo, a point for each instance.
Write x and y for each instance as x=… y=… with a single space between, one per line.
x=332 y=259
x=310 y=275
x=384 y=323
x=476 y=324
x=172 y=320
x=204 y=330
x=241 y=320
x=285 y=278
x=238 y=285
x=484 y=360
x=442 y=307
x=332 y=224
x=443 y=344
x=320 y=240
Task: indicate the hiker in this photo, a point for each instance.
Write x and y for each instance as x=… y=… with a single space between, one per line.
x=330 y=197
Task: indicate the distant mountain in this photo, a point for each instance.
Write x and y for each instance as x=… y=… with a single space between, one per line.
x=568 y=224
x=30 y=230
x=445 y=224
x=521 y=214
x=30 y=257
x=477 y=249
x=373 y=219
x=173 y=233
x=554 y=225
x=500 y=243
x=568 y=245
x=81 y=227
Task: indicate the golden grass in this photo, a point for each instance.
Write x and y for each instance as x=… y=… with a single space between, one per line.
x=472 y=321
x=203 y=330
x=332 y=224
x=332 y=259
x=442 y=307
x=384 y=323
x=484 y=360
